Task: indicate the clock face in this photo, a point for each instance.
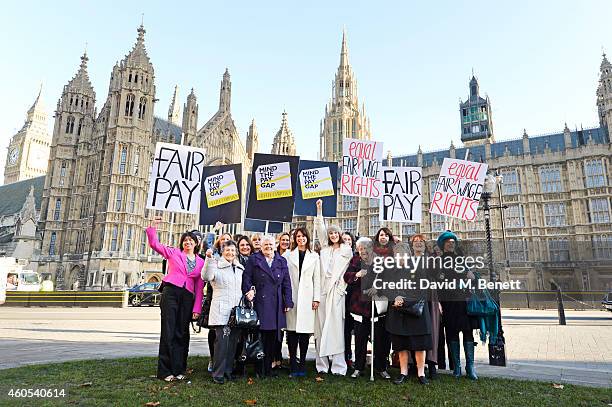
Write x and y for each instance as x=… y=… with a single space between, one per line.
x=13 y=155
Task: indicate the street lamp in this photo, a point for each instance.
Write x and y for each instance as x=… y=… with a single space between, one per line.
x=497 y=351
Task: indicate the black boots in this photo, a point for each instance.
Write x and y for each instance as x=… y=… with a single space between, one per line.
x=456 y=358
x=470 y=372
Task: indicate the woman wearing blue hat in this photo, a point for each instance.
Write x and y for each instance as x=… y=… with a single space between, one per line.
x=454 y=306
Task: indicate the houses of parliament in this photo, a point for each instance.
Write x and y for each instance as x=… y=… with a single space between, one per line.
x=73 y=202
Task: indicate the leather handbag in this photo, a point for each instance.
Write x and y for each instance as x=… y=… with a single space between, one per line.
x=252 y=350
x=412 y=308
x=202 y=321
x=244 y=317
x=480 y=303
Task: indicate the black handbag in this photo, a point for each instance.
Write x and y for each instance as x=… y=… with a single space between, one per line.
x=252 y=349
x=244 y=317
x=412 y=308
x=202 y=321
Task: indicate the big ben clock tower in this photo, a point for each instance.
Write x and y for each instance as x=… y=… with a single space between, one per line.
x=28 y=151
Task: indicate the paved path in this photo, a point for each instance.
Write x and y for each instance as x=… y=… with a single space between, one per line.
x=537 y=347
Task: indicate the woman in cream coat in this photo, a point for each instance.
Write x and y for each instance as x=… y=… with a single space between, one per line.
x=304 y=270
x=329 y=326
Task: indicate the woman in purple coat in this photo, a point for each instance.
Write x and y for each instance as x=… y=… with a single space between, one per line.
x=266 y=281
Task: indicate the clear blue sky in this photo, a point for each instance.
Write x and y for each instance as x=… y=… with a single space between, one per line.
x=537 y=60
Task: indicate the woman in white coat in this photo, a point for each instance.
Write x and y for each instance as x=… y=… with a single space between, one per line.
x=225 y=276
x=329 y=327
x=304 y=270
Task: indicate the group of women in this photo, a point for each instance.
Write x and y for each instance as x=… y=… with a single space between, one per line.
x=302 y=289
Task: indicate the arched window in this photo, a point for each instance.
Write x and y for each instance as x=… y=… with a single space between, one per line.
x=119 y=199
x=79 y=126
x=52 y=244
x=129 y=105
x=114 y=238
x=136 y=78
x=136 y=162
x=142 y=108
x=76 y=101
x=122 y=160
x=128 y=240
x=70 y=125
x=58 y=209
x=130 y=77
x=71 y=100
x=62 y=174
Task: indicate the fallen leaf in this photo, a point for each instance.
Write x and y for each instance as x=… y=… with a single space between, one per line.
x=153 y=376
x=86 y=384
x=189 y=371
x=166 y=387
x=250 y=380
x=152 y=404
x=302 y=390
x=319 y=379
x=250 y=402
x=557 y=386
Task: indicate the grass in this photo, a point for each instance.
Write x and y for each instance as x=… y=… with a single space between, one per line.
x=128 y=382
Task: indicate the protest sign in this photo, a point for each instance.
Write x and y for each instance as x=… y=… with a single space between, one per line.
x=175 y=181
x=361 y=163
x=402 y=194
x=255 y=225
x=271 y=192
x=317 y=180
x=273 y=181
x=458 y=189
x=221 y=194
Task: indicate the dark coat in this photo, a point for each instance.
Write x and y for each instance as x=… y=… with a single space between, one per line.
x=454 y=302
x=359 y=303
x=402 y=324
x=272 y=289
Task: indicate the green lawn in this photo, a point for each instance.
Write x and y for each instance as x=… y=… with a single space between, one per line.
x=128 y=382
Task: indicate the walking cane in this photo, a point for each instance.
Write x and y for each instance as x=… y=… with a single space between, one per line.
x=372 y=336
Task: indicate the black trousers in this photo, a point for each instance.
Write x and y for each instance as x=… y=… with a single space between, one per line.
x=212 y=336
x=270 y=344
x=176 y=307
x=382 y=344
x=295 y=340
x=278 y=351
x=453 y=336
x=349 y=324
x=225 y=346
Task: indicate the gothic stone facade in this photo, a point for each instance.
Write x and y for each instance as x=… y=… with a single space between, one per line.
x=93 y=215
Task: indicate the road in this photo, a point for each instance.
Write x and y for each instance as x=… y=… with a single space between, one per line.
x=536 y=346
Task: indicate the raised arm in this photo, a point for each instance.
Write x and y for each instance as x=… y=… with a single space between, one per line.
x=208 y=271
x=319 y=225
x=154 y=243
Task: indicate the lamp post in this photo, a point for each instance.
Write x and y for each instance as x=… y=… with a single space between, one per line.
x=497 y=351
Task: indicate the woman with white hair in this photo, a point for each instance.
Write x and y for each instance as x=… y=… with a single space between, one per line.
x=267 y=283
x=329 y=325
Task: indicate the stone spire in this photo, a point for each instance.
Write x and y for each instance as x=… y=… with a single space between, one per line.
x=252 y=141
x=344 y=57
x=225 y=95
x=284 y=143
x=37 y=111
x=174 y=110
x=138 y=56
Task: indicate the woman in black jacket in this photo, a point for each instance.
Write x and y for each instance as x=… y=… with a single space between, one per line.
x=454 y=306
x=409 y=332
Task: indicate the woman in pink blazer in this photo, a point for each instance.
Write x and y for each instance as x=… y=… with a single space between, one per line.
x=182 y=291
